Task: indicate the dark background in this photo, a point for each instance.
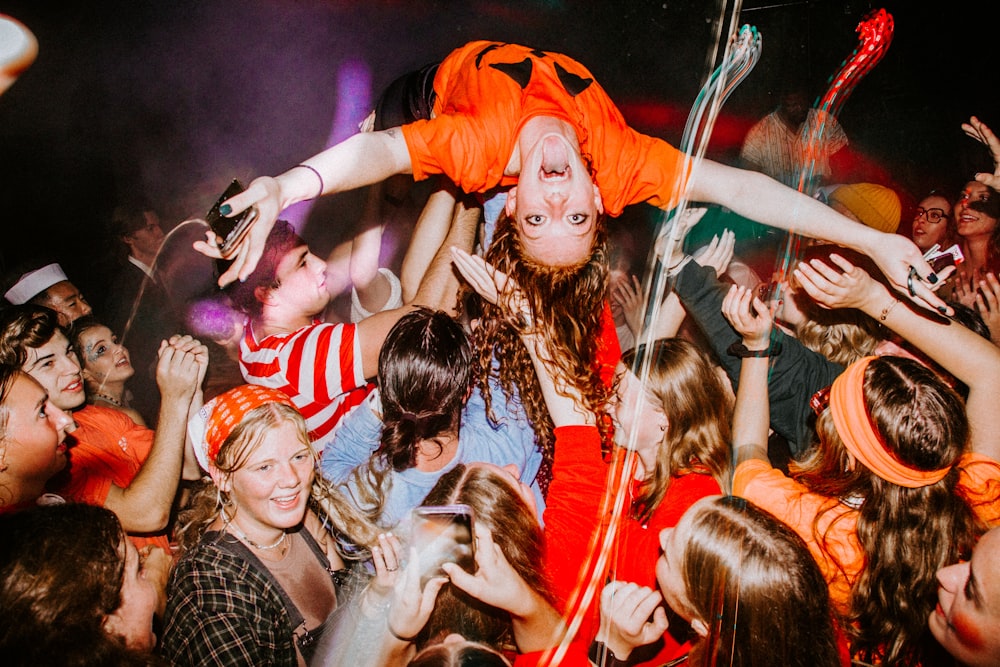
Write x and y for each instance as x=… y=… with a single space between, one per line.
x=173 y=99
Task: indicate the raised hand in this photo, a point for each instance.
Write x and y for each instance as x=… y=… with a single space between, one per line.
x=265 y=195
x=852 y=288
x=631 y=616
x=979 y=131
x=388 y=559
x=749 y=316
x=718 y=253
x=494 y=286
x=627 y=294
x=411 y=606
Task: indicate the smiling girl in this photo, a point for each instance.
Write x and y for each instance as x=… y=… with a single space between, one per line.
x=256 y=587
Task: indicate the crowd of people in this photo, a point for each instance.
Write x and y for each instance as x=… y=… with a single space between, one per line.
x=697 y=466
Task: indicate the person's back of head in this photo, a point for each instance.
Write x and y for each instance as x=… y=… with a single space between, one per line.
x=501 y=509
x=757 y=589
x=841 y=335
x=61 y=576
x=874 y=205
x=424 y=376
x=894 y=434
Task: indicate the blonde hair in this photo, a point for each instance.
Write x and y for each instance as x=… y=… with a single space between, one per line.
x=209 y=501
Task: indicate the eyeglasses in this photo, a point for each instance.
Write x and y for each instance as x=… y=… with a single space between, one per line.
x=932 y=214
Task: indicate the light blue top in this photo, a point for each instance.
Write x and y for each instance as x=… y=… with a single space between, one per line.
x=511 y=441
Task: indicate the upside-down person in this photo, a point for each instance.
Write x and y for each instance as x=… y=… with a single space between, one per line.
x=537 y=124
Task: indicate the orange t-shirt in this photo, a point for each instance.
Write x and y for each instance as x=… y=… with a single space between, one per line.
x=843 y=558
x=486 y=91
x=110 y=449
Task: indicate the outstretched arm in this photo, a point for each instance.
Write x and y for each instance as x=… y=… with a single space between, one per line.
x=966 y=355
x=765 y=200
x=362 y=159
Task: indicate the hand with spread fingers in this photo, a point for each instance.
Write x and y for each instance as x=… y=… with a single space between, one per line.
x=718 y=253
x=265 y=194
x=627 y=294
x=850 y=288
x=979 y=131
x=411 y=605
x=495 y=287
x=987 y=303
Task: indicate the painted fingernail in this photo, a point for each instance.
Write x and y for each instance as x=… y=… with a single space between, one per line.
x=932 y=279
x=225 y=209
x=943 y=310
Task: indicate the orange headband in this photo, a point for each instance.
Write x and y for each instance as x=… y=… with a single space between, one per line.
x=854 y=424
x=226 y=410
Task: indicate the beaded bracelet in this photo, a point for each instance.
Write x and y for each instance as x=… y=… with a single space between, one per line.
x=888 y=309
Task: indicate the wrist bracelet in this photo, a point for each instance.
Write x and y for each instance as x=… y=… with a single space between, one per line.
x=672 y=270
x=888 y=309
x=322 y=185
x=599 y=654
x=738 y=349
x=408 y=640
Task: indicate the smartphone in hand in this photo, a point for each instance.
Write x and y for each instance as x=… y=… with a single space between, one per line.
x=230 y=230
x=443 y=534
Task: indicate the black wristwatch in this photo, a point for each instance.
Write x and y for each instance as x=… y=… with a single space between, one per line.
x=599 y=654
x=738 y=349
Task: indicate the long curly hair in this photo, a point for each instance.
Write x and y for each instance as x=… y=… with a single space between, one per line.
x=208 y=501
x=566 y=304
x=424 y=377
x=906 y=534
x=699 y=411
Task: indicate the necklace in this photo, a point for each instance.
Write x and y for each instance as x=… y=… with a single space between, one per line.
x=263 y=547
x=98 y=396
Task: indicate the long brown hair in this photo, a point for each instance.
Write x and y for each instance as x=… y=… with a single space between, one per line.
x=753 y=582
x=907 y=534
x=567 y=304
x=516 y=531
x=424 y=376
x=699 y=412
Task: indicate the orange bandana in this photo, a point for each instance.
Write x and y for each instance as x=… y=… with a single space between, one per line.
x=862 y=440
x=219 y=416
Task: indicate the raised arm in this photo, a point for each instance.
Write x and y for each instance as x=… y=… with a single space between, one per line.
x=438 y=289
x=765 y=200
x=563 y=400
x=966 y=355
x=751 y=415
x=979 y=131
x=359 y=160
x=144 y=505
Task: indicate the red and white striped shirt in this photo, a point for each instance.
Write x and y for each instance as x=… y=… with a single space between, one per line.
x=318 y=366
